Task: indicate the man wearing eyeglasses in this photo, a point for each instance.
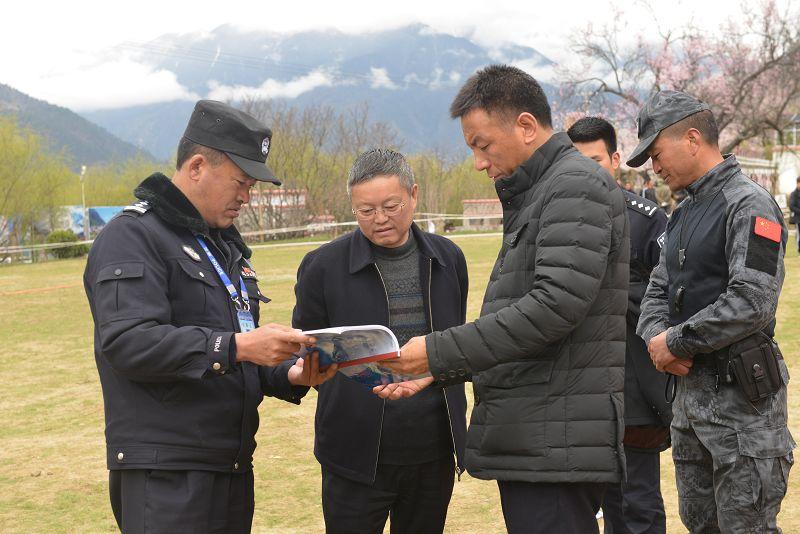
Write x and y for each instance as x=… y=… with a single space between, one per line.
x=383 y=459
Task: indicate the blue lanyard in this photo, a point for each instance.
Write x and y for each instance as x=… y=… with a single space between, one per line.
x=244 y=303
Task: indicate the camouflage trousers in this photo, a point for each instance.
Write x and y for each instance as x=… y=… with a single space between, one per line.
x=732 y=457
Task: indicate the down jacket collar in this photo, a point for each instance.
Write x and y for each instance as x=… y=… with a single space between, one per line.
x=530 y=172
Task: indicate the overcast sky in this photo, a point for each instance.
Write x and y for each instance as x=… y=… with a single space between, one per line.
x=65 y=52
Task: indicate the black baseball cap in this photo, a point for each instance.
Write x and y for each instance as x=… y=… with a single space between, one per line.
x=238 y=135
x=662 y=110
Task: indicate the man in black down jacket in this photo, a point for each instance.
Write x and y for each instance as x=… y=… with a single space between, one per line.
x=382 y=459
x=547 y=355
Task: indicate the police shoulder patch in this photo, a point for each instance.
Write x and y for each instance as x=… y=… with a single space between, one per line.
x=140 y=207
x=248 y=272
x=640 y=204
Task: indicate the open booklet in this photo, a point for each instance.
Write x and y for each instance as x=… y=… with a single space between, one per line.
x=357 y=350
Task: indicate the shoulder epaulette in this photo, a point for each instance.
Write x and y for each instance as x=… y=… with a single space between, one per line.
x=140 y=207
x=641 y=204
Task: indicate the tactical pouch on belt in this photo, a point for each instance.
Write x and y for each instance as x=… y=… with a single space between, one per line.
x=754 y=365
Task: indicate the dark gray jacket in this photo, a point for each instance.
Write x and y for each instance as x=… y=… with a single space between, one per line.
x=547 y=354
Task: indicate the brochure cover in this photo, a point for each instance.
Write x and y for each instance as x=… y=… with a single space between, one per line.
x=357 y=350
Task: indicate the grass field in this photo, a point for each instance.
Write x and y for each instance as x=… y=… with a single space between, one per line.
x=52 y=468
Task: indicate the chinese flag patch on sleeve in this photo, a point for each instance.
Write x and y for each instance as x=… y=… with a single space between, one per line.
x=766 y=228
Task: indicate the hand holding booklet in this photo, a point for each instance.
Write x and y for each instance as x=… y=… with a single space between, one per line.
x=357 y=350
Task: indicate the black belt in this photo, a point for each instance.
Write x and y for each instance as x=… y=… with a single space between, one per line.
x=705 y=362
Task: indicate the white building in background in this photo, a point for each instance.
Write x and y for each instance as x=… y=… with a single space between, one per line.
x=787 y=157
x=482 y=213
x=761 y=171
x=788 y=164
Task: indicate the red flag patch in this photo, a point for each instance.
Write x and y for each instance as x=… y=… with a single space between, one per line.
x=766 y=228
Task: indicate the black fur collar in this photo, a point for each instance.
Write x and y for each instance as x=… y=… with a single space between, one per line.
x=169 y=203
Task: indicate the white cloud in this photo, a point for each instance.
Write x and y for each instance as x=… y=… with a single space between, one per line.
x=54 y=68
x=542 y=72
x=440 y=80
x=379 y=79
x=436 y=82
x=272 y=88
x=111 y=84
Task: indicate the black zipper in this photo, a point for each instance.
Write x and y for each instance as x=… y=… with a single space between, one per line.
x=383 y=406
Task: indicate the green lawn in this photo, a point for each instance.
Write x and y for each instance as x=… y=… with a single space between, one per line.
x=52 y=469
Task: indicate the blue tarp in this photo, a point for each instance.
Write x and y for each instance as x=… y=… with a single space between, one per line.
x=98 y=217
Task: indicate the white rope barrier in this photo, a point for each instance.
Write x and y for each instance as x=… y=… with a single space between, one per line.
x=313 y=227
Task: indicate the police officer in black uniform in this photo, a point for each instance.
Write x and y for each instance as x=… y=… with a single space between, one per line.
x=183 y=363
x=708 y=316
x=635 y=506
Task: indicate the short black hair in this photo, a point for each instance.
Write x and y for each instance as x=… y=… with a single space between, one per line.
x=188 y=148
x=589 y=129
x=798 y=179
x=502 y=89
x=703 y=122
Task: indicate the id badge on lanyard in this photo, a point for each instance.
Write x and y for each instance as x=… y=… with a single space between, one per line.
x=243 y=315
x=246 y=321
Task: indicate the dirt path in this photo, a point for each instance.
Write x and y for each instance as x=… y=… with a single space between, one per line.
x=38 y=289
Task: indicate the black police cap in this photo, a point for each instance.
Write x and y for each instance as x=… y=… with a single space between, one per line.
x=662 y=110
x=235 y=133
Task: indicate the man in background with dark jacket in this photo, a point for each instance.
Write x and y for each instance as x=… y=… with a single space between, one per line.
x=635 y=506
x=385 y=459
x=649 y=190
x=547 y=355
x=794 y=210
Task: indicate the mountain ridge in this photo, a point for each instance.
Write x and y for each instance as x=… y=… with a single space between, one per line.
x=408 y=76
x=84 y=142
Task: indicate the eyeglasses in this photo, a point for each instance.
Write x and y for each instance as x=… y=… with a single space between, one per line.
x=366 y=214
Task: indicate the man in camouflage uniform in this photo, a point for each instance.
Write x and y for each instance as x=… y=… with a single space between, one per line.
x=717 y=282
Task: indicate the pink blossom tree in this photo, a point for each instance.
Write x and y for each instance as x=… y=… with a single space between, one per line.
x=748 y=71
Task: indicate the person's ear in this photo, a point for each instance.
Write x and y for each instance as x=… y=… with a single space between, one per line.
x=694 y=140
x=195 y=166
x=414 y=192
x=528 y=126
x=615 y=157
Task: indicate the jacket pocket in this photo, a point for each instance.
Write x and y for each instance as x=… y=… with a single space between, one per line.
x=515 y=425
x=619 y=450
x=197 y=272
x=119 y=291
x=197 y=298
x=513 y=403
x=255 y=297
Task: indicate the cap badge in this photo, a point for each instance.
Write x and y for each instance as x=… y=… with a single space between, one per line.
x=265 y=146
x=192 y=253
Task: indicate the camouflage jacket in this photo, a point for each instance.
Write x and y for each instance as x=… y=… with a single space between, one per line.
x=721 y=268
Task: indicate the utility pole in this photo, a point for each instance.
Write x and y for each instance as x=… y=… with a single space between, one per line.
x=86 y=228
